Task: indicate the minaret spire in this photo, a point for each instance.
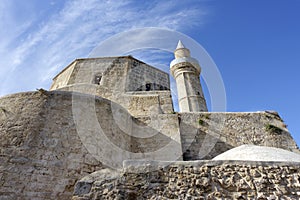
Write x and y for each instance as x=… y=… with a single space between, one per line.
x=181 y=51
x=186 y=71
x=180 y=45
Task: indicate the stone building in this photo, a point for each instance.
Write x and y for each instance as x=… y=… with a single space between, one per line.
x=124 y=80
x=107 y=130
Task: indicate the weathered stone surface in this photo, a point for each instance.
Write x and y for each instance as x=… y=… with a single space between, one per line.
x=138 y=87
x=47 y=139
x=41 y=153
x=206 y=135
x=203 y=135
x=201 y=180
x=53 y=139
x=41 y=142
x=100 y=178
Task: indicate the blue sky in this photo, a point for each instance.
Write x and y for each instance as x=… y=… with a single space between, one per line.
x=254 y=43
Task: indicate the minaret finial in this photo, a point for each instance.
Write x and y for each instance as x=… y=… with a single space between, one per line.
x=180 y=45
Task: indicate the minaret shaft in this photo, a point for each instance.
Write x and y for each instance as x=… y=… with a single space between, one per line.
x=186 y=72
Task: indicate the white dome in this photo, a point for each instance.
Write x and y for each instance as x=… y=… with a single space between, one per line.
x=258 y=153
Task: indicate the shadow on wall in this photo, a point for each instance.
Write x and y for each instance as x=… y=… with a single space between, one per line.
x=206 y=135
x=198 y=149
x=123 y=130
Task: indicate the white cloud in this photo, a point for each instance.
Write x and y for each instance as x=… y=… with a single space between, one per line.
x=73 y=31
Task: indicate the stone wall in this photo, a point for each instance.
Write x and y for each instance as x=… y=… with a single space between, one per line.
x=148 y=103
x=63 y=78
x=112 y=135
x=194 y=180
x=143 y=77
x=41 y=154
x=48 y=140
x=52 y=139
x=140 y=88
x=206 y=135
x=140 y=103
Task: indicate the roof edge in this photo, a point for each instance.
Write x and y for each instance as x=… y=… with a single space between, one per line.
x=95 y=58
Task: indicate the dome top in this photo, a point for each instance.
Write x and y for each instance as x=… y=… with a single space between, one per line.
x=258 y=153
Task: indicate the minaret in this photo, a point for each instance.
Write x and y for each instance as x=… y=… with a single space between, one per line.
x=186 y=71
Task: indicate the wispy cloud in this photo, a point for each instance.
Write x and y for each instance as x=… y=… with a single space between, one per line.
x=11 y=27
x=44 y=47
